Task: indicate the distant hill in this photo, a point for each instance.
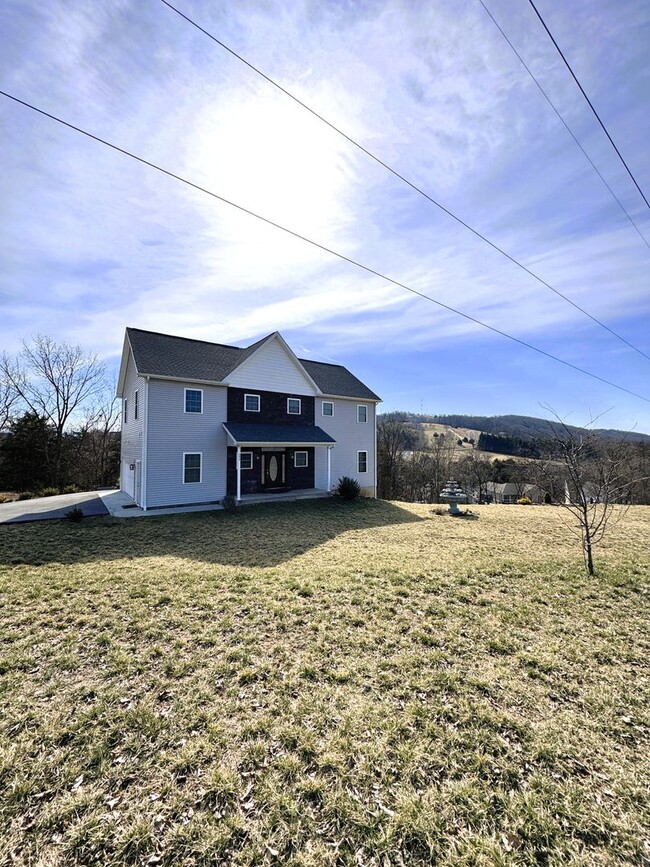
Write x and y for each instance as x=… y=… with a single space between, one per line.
x=524 y=426
x=506 y=435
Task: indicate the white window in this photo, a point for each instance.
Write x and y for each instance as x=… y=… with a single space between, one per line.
x=251 y=403
x=301 y=459
x=293 y=405
x=328 y=407
x=191 y=467
x=193 y=400
x=362 y=413
x=246 y=461
x=135 y=404
x=126 y=410
x=362 y=462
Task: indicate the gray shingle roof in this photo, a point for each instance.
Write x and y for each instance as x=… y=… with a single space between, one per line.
x=183 y=358
x=277 y=433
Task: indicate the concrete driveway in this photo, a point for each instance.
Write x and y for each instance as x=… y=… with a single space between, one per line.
x=49 y=508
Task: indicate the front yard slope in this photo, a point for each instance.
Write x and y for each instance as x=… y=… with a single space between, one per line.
x=324 y=684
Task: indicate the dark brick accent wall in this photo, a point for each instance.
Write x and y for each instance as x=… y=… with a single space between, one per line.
x=273 y=408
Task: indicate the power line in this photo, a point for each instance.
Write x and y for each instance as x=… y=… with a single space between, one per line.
x=313 y=243
x=405 y=180
x=565 y=124
x=591 y=106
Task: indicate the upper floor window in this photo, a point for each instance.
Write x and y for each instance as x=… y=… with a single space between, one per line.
x=293 y=405
x=135 y=404
x=362 y=413
x=126 y=410
x=362 y=462
x=193 y=400
x=191 y=467
x=251 y=402
x=328 y=407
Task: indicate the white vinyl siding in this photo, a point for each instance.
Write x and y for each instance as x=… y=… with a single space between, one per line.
x=351 y=438
x=132 y=431
x=270 y=368
x=172 y=432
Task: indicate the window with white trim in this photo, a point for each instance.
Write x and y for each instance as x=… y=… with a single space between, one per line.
x=328 y=407
x=251 y=403
x=135 y=404
x=194 y=400
x=301 y=459
x=192 y=467
x=126 y=410
x=294 y=405
x=246 y=461
x=362 y=462
x=362 y=413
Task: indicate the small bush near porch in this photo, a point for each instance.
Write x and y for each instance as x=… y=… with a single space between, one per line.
x=323 y=683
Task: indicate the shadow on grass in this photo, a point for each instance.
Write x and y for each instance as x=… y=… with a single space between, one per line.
x=264 y=535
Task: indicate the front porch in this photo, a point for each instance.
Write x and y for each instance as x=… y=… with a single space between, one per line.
x=271 y=461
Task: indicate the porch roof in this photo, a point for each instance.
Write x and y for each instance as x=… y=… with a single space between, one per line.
x=241 y=434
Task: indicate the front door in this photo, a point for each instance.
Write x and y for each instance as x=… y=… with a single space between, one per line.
x=273 y=470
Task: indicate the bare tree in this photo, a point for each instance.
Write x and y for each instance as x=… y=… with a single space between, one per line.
x=393 y=440
x=97 y=438
x=53 y=380
x=596 y=481
x=475 y=471
x=8 y=396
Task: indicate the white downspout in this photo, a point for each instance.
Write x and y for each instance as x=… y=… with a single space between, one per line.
x=238 y=473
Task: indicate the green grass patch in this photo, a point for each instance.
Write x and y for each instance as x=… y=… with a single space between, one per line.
x=324 y=683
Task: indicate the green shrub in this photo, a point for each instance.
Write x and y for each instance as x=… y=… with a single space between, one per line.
x=229 y=503
x=348 y=489
x=26 y=495
x=49 y=492
x=70 y=489
x=548 y=499
x=75 y=515
x=524 y=501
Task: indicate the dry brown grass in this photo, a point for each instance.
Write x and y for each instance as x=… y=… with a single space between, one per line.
x=324 y=684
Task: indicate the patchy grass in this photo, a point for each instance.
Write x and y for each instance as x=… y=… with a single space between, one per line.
x=324 y=684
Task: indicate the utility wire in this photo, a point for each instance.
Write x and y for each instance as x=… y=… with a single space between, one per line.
x=313 y=243
x=565 y=124
x=405 y=180
x=591 y=106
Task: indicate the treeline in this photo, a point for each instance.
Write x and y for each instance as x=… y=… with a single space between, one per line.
x=59 y=420
x=510 y=445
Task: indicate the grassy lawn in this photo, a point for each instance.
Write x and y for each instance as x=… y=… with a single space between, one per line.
x=324 y=684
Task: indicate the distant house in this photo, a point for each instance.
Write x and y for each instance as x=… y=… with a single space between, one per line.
x=510 y=492
x=203 y=420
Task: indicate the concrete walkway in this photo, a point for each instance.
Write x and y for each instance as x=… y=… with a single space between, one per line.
x=120 y=505
x=51 y=508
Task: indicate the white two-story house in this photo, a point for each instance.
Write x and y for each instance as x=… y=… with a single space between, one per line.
x=201 y=421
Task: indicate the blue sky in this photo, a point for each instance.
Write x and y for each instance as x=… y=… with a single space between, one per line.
x=91 y=242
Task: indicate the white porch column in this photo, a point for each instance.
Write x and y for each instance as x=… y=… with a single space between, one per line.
x=238 y=473
x=329 y=468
